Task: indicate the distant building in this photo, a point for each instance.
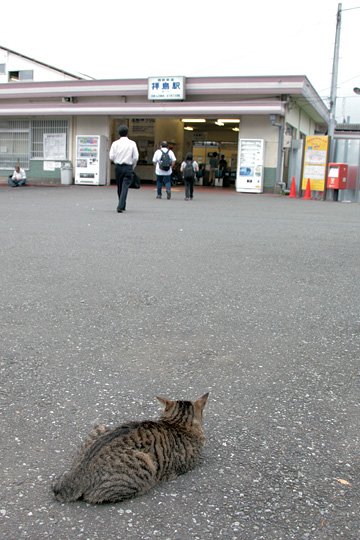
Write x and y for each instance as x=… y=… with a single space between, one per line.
x=16 y=66
x=348 y=129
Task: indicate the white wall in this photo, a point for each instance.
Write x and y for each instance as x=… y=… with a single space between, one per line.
x=92 y=125
x=300 y=120
x=17 y=63
x=259 y=127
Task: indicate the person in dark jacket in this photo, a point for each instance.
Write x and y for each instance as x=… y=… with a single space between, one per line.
x=189 y=168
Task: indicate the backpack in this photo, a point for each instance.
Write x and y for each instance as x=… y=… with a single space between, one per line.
x=188 y=171
x=165 y=161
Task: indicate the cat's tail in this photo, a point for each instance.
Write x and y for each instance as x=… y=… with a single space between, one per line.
x=68 y=487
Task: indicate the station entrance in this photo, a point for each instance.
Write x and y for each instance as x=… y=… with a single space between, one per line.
x=213 y=143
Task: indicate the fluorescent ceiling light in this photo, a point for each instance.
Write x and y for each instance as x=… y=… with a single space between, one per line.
x=235 y=129
x=194 y=120
x=189 y=128
x=229 y=120
x=218 y=123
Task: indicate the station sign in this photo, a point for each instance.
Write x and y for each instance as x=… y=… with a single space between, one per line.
x=166 y=88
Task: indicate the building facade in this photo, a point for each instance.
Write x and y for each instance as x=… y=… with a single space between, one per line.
x=209 y=114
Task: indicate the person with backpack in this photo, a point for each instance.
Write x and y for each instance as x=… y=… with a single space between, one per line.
x=189 y=168
x=164 y=159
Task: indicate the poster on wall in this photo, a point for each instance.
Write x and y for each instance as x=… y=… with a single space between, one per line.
x=250 y=167
x=54 y=146
x=51 y=165
x=315 y=160
x=142 y=126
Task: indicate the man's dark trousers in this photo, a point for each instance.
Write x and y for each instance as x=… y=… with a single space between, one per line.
x=123 y=175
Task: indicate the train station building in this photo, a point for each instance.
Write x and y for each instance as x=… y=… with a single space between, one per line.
x=50 y=117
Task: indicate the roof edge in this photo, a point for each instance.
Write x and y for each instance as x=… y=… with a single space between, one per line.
x=11 y=51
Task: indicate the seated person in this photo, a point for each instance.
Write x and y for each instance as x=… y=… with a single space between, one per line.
x=18 y=178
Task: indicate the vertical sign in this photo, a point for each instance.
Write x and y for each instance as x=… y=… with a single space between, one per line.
x=315 y=159
x=250 y=169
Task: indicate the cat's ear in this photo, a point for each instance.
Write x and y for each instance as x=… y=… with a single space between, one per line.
x=201 y=402
x=164 y=401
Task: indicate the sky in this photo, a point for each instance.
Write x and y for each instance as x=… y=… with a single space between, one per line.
x=119 y=39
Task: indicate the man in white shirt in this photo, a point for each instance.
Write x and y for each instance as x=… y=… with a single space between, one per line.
x=125 y=155
x=163 y=176
x=18 y=178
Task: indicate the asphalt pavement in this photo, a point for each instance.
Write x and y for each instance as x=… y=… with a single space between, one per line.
x=254 y=298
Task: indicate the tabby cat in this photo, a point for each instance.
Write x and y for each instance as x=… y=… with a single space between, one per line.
x=118 y=463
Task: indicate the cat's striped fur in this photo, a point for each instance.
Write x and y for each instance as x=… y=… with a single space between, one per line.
x=118 y=463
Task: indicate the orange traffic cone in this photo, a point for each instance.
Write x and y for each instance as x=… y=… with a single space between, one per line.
x=292 y=194
x=307 y=196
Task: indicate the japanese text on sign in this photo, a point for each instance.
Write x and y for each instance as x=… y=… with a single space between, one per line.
x=163 y=88
x=315 y=159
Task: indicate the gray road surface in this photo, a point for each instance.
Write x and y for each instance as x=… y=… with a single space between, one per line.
x=254 y=298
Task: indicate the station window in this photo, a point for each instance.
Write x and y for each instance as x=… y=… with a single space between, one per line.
x=2 y=69
x=41 y=127
x=14 y=143
x=22 y=140
x=22 y=75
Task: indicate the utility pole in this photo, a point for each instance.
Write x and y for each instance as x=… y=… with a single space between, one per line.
x=334 y=79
